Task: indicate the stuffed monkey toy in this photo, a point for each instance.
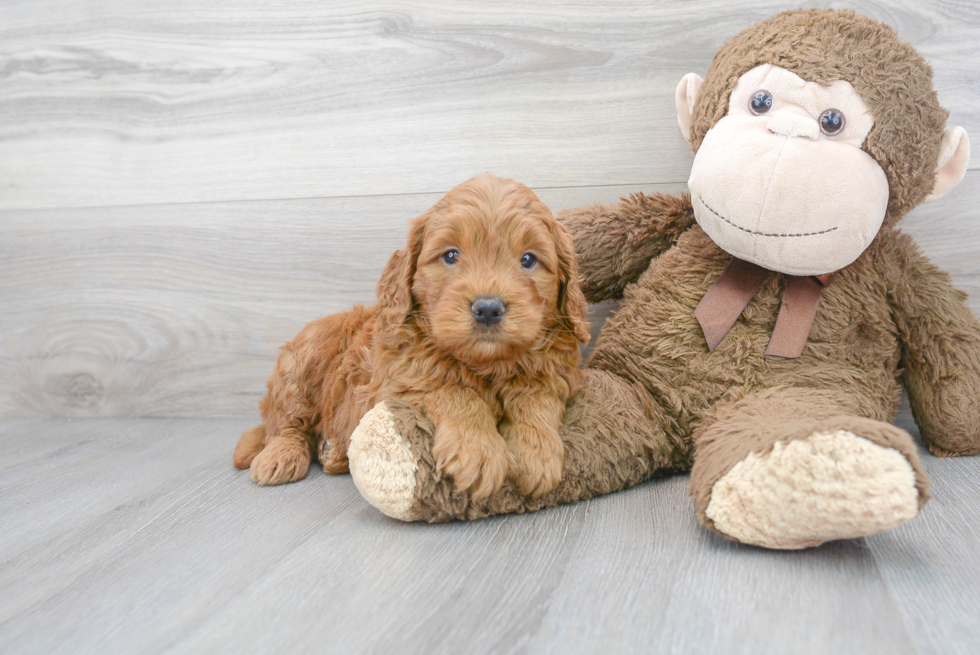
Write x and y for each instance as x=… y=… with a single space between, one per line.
x=770 y=320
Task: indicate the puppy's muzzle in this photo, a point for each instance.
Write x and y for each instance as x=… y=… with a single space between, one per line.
x=488 y=310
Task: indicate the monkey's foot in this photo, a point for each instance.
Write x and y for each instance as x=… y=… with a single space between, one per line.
x=829 y=485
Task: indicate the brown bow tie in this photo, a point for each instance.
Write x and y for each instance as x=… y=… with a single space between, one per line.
x=728 y=297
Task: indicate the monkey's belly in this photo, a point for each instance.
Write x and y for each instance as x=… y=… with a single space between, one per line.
x=655 y=341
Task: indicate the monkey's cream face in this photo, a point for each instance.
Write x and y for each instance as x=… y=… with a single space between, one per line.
x=782 y=182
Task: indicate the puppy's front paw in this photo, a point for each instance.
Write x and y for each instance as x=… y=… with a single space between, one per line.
x=475 y=460
x=282 y=460
x=536 y=461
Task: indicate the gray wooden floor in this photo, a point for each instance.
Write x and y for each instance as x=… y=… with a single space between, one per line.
x=137 y=536
x=183 y=187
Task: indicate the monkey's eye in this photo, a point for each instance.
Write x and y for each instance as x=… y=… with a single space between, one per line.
x=761 y=102
x=831 y=122
x=528 y=260
x=451 y=256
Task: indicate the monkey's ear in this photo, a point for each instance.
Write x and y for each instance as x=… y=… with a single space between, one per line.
x=954 y=156
x=685 y=97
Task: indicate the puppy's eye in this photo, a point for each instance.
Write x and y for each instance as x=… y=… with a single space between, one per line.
x=528 y=260
x=451 y=256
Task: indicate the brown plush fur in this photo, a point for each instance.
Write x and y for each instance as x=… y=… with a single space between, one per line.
x=497 y=394
x=654 y=399
x=822 y=46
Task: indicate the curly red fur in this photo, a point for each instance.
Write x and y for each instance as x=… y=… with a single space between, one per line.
x=496 y=394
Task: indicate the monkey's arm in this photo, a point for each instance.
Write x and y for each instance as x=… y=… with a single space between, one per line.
x=615 y=243
x=941 y=351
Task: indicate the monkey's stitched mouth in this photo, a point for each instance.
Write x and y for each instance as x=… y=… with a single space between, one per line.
x=762 y=234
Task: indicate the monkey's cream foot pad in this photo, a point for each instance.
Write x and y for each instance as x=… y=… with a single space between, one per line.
x=830 y=485
x=382 y=464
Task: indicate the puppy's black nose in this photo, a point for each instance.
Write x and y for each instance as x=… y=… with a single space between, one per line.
x=488 y=310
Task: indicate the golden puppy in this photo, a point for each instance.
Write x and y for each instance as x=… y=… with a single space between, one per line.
x=478 y=322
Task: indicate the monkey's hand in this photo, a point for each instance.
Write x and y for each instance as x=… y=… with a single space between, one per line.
x=941 y=343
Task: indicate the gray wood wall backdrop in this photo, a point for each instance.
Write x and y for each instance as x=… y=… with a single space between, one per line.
x=182 y=188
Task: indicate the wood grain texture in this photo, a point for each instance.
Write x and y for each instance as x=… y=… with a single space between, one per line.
x=121 y=103
x=179 y=310
x=182 y=188
x=138 y=536
x=930 y=565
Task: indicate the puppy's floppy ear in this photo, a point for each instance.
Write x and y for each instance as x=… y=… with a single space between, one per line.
x=395 y=302
x=571 y=301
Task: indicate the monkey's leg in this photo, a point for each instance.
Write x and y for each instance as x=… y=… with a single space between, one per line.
x=791 y=468
x=612 y=435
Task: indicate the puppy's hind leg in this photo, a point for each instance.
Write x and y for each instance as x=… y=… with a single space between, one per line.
x=289 y=416
x=250 y=444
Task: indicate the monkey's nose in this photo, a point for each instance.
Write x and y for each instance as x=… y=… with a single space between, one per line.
x=488 y=310
x=788 y=123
